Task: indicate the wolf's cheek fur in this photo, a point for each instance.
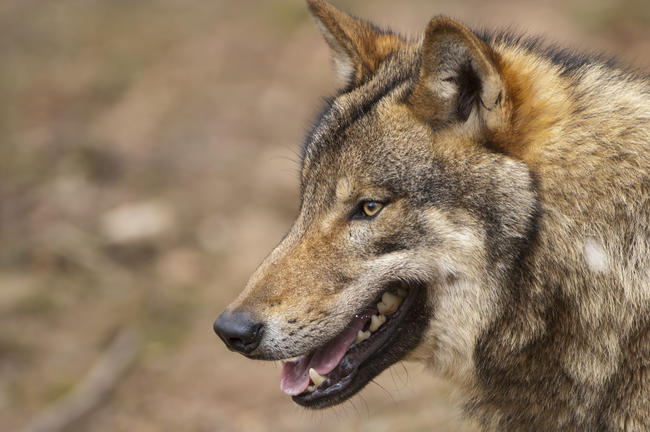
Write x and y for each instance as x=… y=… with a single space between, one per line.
x=460 y=296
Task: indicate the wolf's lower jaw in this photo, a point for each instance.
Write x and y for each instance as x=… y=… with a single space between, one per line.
x=388 y=332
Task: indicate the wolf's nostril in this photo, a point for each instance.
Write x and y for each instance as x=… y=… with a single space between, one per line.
x=238 y=331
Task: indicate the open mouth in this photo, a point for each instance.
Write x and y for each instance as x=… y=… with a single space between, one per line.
x=380 y=335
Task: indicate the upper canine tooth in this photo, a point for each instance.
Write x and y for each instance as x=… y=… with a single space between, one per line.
x=376 y=321
x=362 y=335
x=388 y=304
x=316 y=378
x=391 y=300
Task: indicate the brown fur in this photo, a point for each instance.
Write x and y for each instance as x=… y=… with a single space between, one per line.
x=517 y=183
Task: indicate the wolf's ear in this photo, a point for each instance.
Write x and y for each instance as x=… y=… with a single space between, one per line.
x=358 y=47
x=460 y=79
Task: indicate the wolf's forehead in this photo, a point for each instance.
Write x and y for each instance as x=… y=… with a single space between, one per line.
x=393 y=80
x=344 y=188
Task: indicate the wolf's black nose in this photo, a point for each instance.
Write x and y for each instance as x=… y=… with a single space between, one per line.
x=238 y=331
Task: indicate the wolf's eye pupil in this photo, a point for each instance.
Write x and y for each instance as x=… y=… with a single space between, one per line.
x=371 y=208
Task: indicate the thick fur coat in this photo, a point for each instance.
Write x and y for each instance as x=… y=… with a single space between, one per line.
x=506 y=185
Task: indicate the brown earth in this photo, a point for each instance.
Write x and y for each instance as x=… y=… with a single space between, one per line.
x=148 y=160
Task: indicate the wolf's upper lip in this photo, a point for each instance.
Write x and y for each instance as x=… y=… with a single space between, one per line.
x=343 y=354
x=296 y=374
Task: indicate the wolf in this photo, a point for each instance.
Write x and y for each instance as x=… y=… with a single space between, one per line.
x=475 y=201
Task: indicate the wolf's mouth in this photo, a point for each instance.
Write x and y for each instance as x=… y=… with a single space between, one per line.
x=377 y=337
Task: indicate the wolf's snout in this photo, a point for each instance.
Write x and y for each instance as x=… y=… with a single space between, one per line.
x=238 y=331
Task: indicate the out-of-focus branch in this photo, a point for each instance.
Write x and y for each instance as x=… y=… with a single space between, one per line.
x=94 y=388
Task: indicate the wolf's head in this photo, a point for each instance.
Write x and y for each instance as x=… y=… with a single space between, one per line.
x=412 y=215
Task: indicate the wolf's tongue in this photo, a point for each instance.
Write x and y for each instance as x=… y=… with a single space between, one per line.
x=295 y=374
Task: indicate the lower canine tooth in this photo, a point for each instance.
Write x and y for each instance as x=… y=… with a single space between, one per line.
x=311 y=388
x=316 y=378
x=376 y=321
x=362 y=335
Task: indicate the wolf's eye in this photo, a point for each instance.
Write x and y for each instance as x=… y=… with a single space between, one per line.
x=367 y=209
x=371 y=208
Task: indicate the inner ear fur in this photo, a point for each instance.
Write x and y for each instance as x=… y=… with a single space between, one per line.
x=460 y=78
x=358 y=47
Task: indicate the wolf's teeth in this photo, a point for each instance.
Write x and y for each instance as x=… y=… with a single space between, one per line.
x=389 y=303
x=362 y=335
x=391 y=300
x=376 y=321
x=316 y=378
x=311 y=388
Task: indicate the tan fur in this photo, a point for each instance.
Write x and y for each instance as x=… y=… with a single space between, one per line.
x=358 y=47
x=516 y=190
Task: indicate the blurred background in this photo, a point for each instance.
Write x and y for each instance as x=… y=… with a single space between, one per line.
x=148 y=162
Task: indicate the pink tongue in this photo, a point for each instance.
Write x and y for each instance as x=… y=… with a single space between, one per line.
x=295 y=374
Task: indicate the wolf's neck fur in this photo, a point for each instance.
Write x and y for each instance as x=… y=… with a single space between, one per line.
x=578 y=327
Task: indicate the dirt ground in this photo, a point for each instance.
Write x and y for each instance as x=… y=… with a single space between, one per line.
x=148 y=161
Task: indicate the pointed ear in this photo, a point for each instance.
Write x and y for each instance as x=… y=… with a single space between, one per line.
x=460 y=78
x=358 y=47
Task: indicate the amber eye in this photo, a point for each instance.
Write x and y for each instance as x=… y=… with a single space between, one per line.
x=371 y=208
